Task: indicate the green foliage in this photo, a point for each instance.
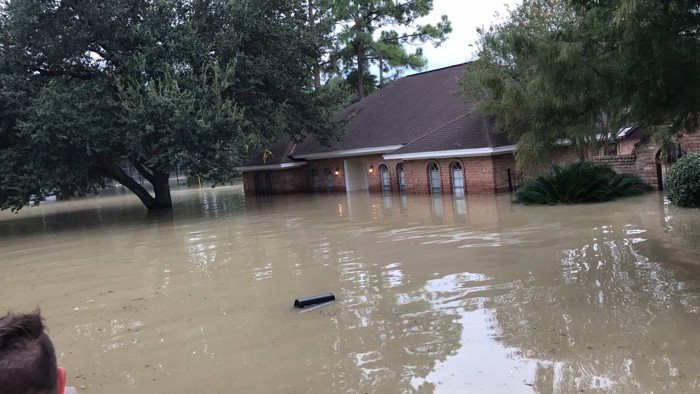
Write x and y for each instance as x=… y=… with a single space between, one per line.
x=86 y=86
x=657 y=48
x=571 y=69
x=579 y=182
x=683 y=182
x=365 y=36
x=545 y=75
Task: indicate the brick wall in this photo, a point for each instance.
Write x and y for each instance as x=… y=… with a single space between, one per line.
x=626 y=146
x=691 y=142
x=293 y=180
x=564 y=155
x=321 y=166
x=416 y=172
x=645 y=165
x=375 y=179
x=418 y=177
x=622 y=164
x=484 y=174
x=481 y=175
x=501 y=165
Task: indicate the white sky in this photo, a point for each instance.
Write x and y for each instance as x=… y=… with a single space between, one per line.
x=466 y=16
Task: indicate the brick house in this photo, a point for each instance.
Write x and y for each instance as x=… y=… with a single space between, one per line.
x=416 y=135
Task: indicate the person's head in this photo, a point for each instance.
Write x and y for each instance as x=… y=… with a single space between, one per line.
x=27 y=357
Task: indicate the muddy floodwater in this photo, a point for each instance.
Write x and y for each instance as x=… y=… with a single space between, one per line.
x=434 y=295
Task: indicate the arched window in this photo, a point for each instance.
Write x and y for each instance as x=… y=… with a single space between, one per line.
x=315 y=180
x=401 y=177
x=386 y=181
x=434 y=177
x=457 y=179
x=329 y=179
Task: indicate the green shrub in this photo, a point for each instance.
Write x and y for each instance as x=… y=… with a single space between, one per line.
x=579 y=182
x=683 y=181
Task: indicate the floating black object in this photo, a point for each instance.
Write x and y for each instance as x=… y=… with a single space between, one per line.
x=317 y=299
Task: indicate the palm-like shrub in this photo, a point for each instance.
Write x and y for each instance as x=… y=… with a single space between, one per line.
x=683 y=182
x=579 y=182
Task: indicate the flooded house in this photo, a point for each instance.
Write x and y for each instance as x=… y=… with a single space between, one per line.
x=418 y=135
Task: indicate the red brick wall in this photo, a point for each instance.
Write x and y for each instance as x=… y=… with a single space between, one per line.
x=626 y=146
x=418 y=178
x=564 y=155
x=621 y=164
x=646 y=162
x=691 y=142
x=501 y=165
x=283 y=181
x=320 y=166
x=481 y=175
x=375 y=179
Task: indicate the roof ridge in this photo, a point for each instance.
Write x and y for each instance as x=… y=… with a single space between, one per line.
x=439 y=127
x=436 y=69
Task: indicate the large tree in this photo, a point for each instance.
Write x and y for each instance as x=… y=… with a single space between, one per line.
x=547 y=75
x=86 y=86
x=568 y=70
x=659 y=48
x=378 y=32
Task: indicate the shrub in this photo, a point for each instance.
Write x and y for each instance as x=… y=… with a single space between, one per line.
x=579 y=182
x=683 y=181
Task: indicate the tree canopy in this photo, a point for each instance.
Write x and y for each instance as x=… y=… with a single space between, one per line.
x=568 y=70
x=86 y=86
x=376 y=32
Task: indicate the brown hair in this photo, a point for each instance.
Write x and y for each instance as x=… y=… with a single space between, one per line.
x=27 y=356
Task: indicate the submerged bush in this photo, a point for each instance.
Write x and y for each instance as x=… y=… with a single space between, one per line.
x=683 y=182
x=579 y=182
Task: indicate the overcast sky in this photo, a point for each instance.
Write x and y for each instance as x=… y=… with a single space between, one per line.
x=466 y=16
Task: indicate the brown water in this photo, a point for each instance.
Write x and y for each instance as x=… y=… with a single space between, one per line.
x=433 y=295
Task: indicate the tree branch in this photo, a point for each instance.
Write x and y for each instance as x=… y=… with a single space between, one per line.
x=144 y=171
x=113 y=171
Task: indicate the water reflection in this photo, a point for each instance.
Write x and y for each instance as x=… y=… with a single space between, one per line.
x=434 y=294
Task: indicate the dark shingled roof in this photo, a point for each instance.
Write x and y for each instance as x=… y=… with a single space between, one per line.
x=424 y=112
x=406 y=111
x=469 y=131
x=280 y=155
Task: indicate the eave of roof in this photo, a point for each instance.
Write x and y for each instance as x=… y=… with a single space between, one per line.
x=349 y=152
x=453 y=153
x=272 y=167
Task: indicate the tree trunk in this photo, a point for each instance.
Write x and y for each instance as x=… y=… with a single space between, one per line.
x=158 y=179
x=161 y=188
x=316 y=67
x=360 y=71
x=317 y=77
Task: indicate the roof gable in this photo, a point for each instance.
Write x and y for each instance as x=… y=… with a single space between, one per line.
x=399 y=113
x=420 y=113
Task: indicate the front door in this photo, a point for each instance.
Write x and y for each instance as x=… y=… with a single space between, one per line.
x=355 y=175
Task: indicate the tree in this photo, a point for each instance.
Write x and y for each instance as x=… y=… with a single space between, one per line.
x=573 y=70
x=365 y=38
x=659 y=50
x=548 y=75
x=89 y=85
